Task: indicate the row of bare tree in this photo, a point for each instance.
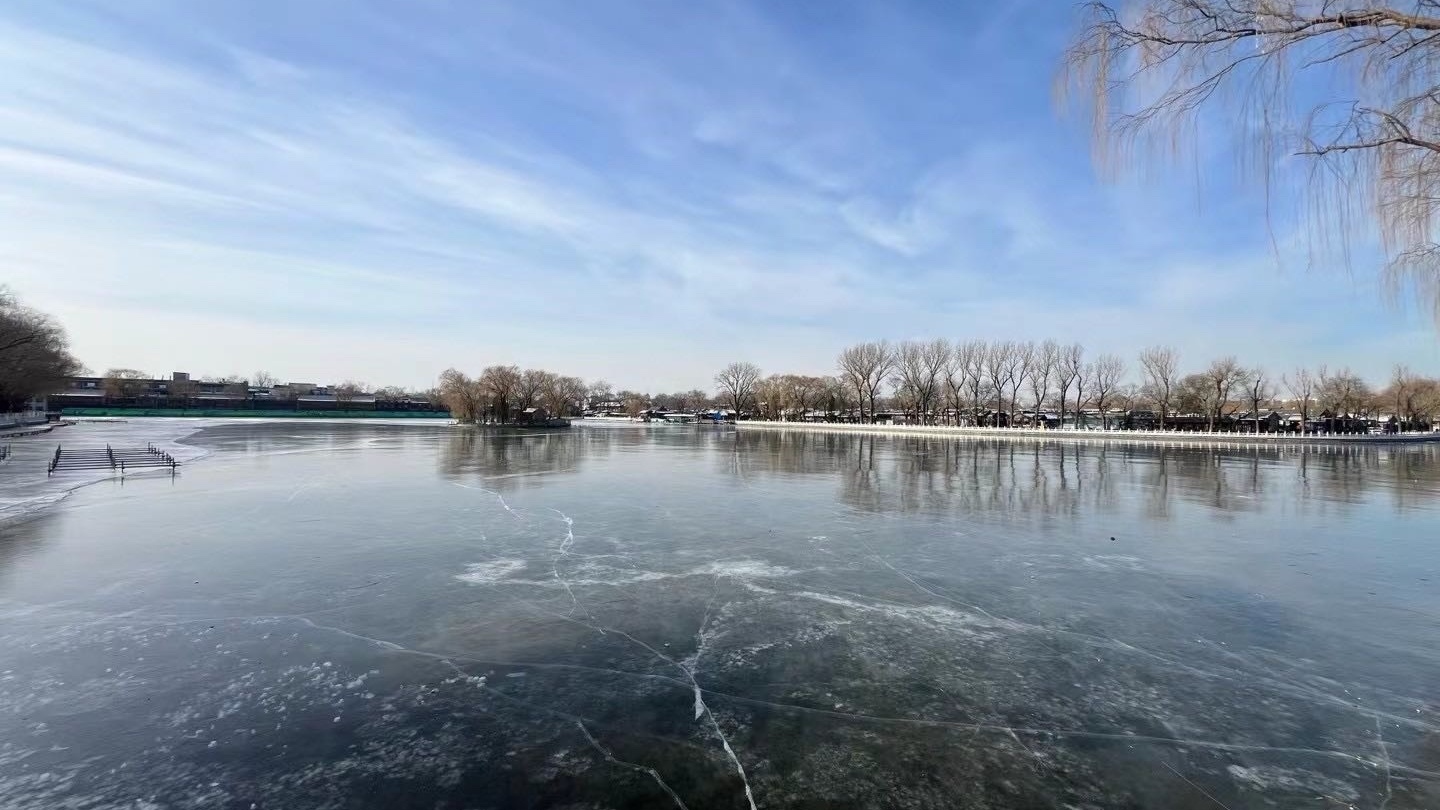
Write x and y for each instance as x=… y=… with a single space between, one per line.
x=991 y=382
x=501 y=392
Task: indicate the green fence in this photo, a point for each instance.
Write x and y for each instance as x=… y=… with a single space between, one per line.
x=227 y=413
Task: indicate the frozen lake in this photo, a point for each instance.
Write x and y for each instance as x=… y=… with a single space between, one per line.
x=370 y=615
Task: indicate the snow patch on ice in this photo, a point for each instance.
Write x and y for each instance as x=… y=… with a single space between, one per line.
x=486 y=573
x=1272 y=778
x=743 y=569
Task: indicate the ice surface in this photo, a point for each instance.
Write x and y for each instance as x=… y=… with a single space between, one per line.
x=377 y=616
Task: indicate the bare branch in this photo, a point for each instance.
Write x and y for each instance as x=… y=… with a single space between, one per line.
x=1148 y=78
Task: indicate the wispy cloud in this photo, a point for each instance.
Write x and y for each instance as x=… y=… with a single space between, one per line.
x=618 y=196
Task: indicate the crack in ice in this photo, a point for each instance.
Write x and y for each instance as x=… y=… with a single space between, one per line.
x=1234 y=674
x=498 y=496
x=1387 y=765
x=702 y=708
x=564 y=551
x=654 y=774
x=1385 y=761
x=1203 y=791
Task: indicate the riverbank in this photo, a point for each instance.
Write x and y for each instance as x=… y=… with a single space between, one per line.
x=27 y=489
x=16 y=432
x=1113 y=436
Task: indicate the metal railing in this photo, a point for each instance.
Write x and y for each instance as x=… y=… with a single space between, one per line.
x=109 y=458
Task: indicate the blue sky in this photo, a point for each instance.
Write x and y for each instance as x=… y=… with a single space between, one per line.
x=636 y=191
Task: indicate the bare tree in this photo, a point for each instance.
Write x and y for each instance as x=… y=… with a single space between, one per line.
x=691 y=400
x=920 y=369
x=1021 y=365
x=1161 y=367
x=572 y=393
x=634 y=402
x=1068 y=369
x=1223 y=376
x=35 y=354
x=1401 y=392
x=1367 y=119
x=530 y=387
x=1259 y=388
x=736 y=382
x=835 y=396
x=1422 y=403
x=1105 y=375
x=463 y=396
x=553 y=396
x=800 y=391
x=1047 y=357
x=1301 y=384
x=967 y=375
x=346 y=392
x=599 y=391
x=1343 y=393
x=936 y=356
x=771 y=398
x=499 y=384
x=1129 y=397
x=999 y=370
x=1193 y=395
x=865 y=367
x=264 y=379
x=124 y=383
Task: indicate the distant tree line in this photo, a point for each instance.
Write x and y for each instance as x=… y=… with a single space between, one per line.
x=994 y=383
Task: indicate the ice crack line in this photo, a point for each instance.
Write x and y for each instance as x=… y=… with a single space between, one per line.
x=498 y=496
x=1203 y=791
x=701 y=708
x=564 y=551
x=1384 y=761
x=693 y=661
x=654 y=774
x=1079 y=733
x=1270 y=680
x=1385 y=764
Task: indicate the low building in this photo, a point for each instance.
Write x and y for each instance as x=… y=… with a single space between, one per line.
x=532 y=416
x=181 y=392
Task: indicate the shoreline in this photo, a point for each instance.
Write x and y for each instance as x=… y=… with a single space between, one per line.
x=30 y=493
x=1114 y=436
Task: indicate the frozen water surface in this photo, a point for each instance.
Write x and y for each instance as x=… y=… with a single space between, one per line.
x=374 y=615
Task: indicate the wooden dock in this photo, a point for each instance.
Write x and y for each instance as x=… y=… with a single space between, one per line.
x=109 y=458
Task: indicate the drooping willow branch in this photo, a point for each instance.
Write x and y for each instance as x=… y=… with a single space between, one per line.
x=1354 y=86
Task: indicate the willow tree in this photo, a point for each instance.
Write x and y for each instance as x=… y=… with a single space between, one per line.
x=462 y=394
x=1352 y=87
